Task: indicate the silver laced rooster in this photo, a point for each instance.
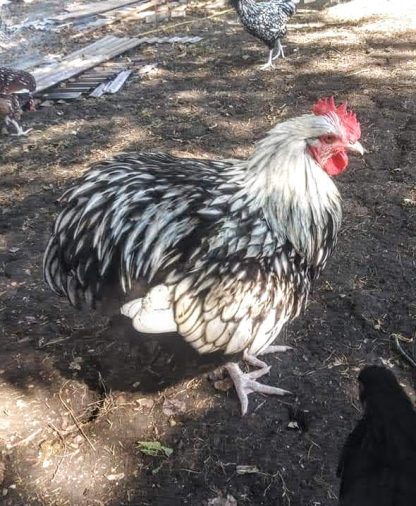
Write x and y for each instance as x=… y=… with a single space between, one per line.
x=225 y=252
x=267 y=21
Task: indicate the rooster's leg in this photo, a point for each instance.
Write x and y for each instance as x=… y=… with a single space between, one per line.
x=245 y=384
x=280 y=51
x=18 y=128
x=269 y=63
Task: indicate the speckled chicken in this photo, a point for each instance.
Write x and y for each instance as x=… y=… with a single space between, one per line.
x=267 y=21
x=11 y=82
x=378 y=462
x=224 y=251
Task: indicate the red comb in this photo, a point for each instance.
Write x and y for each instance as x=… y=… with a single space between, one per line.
x=348 y=118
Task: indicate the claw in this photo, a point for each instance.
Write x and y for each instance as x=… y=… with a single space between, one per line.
x=267 y=66
x=21 y=132
x=18 y=128
x=245 y=384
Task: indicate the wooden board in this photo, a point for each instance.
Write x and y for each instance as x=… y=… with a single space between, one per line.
x=63 y=95
x=85 y=58
x=96 y=8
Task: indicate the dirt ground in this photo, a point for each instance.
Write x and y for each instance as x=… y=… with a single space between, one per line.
x=77 y=394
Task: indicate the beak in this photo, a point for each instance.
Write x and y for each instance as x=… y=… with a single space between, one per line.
x=356 y=147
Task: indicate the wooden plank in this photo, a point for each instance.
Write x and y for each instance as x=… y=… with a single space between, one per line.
x=112 y=86
x=117 y=83
x=88 y=6
x=84 y=59
x=99 y=90
x=82 y=89
x=92 y=47
x=63 y=95
x=133 y=12
x=98 y=77
x=91 y=84
x=96 y=8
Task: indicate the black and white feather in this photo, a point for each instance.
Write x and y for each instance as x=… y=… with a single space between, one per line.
x=14 y=80
x=267 y=21
x=225 y=251
x=11 y=82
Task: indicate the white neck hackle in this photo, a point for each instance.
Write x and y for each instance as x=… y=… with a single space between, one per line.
x=297 y=196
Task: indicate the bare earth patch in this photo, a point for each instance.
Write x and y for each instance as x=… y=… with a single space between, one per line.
x=77 y=395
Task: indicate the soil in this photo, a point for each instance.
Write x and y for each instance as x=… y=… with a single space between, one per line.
x=77 y=393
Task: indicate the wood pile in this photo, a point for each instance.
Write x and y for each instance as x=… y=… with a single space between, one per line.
x=93 y=15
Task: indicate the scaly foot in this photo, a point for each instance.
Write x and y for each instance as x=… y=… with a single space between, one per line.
x=21 y=132
x=267 y=66
x=245 y=383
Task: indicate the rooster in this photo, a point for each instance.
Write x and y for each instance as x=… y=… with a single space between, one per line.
x=11 y=82
x=266 y=21
x=224 y=251
x=378 y=462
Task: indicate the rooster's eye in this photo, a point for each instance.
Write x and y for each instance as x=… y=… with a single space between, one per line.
x=329 y=139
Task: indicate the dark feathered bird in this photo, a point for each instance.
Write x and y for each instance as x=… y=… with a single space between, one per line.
x=378 y=462
x=225 y=251
x=267 y=21
x=11 y=82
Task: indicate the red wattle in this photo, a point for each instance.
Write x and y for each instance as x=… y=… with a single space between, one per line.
x=337 y=164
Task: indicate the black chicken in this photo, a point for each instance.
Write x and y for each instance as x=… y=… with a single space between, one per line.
x=266 y=21
x=378 y=462
x=11 y=82
x=224 y=251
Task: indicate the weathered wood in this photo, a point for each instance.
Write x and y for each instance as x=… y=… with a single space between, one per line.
x=117 y=83
x=90 y=56
x=63 y=95
x=99 y=90
x=82 y=89
x=96 y=8
x=83 y=59
x=112 y=86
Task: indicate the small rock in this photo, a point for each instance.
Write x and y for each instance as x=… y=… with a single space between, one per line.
x=115 y=477
x=223 y=501
x=75 y=365
x=145 y=403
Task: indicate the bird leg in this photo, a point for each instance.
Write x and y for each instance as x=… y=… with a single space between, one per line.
x=18 y=128
x=280 y=51
x=245 y=383
x=269 y=63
